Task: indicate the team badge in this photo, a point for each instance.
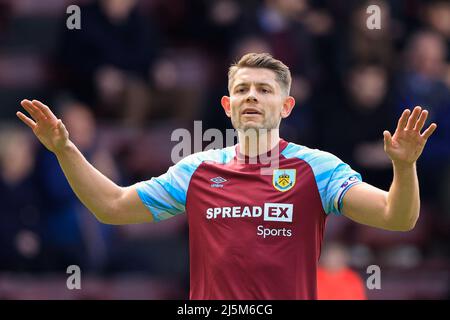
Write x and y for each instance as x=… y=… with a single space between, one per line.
x=284 y=179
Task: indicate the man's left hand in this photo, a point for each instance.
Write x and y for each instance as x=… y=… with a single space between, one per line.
x=407 y=143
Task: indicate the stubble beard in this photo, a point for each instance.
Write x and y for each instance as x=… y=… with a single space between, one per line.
x=265 y=126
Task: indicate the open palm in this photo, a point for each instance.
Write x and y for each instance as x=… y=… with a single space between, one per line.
x=50 y=131
x=407 y=143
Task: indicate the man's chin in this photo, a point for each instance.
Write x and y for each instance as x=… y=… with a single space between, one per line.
x=255 y=127
x=251 y=126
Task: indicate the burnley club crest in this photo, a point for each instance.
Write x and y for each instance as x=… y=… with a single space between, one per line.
x=283 y=179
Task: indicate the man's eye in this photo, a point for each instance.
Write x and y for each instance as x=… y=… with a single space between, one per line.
x=265 y=90
x=241 y=90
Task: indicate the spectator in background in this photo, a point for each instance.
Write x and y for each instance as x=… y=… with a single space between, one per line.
x=355 y=122
x=335 y=278
x=180 y=79
x=351 y=123
x=108 y=61
x=422 y=82
x=363 y=45
x=437 y=18
x=5 y=13
x=71 y=234
x=20 y=218
x=281 y=24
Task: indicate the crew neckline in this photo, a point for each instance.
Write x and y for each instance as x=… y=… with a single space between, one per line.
x=281 y=145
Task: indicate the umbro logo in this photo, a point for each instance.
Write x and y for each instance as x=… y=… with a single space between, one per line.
x=218 y=182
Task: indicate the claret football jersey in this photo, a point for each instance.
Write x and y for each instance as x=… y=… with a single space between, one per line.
x=252 y=234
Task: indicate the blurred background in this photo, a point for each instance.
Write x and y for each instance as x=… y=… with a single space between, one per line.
x=138 y=69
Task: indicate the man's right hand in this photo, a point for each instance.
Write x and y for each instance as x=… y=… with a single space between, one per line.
x=106 y=200
x=50 y=130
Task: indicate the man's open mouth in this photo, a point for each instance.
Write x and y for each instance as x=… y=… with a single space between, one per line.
x=251 y=111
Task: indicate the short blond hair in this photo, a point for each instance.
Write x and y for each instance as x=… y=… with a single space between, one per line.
x=265 y=61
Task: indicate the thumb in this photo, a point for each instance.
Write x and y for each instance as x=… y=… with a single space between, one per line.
x=387 y=138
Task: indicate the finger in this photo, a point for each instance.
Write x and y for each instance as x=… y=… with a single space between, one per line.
x=421 y=121
x=427 y=133
x=27 y=105
x=387 y=138
x=37 y=114
x=44 y=109
x=26 y=120
x=403 y=119
x=413 y=118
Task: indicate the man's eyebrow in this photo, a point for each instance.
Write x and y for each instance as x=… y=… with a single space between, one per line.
x=257 y=83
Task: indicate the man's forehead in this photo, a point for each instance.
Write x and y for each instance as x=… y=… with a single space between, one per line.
x=254 y=75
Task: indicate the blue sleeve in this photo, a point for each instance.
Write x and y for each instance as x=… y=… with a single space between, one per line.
x=165 y=196
x=342 y=178
x=333 y=177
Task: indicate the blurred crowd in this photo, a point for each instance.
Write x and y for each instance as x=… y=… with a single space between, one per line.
x=138 y=69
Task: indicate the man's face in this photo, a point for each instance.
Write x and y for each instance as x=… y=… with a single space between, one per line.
x=256 y=100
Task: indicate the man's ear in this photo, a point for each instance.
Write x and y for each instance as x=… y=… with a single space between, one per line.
x=225 y=101
x=288 y=105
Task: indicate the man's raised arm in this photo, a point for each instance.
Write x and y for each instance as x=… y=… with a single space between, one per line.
x=399 y=208
x=109 y=202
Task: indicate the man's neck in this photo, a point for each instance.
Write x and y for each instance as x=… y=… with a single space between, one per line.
x=253 y=143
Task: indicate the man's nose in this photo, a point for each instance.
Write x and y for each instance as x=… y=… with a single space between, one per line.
x=251 y=97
